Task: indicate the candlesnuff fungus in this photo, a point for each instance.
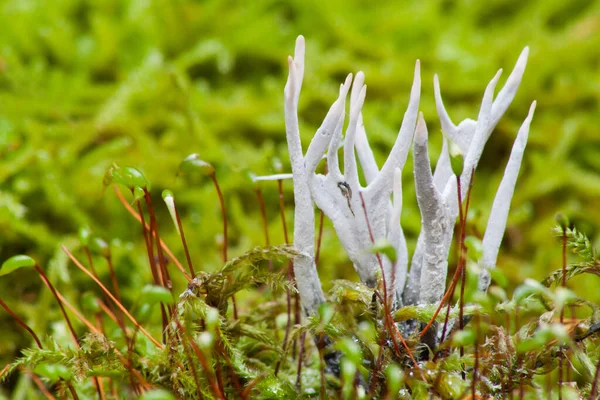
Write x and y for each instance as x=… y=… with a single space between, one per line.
x=339 y=194
x=470 y=136
x=499 y=214
x=307 y=280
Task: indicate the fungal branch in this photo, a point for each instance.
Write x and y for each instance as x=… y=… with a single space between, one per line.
x=437 y=222
x=469 y=137
x=307 y=279
x=338 y=194
x=499 y=214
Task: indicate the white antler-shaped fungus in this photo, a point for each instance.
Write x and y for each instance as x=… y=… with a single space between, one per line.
x=470 y=136
x=307 y=279
x=339 y=195
x=494 y=232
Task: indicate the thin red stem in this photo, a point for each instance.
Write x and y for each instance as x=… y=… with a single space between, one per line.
x=562 y=310
x=156 y=275
x=392 y=329
x=22 y=323
x=300 y=359
x=319 y=237
x=459 y=270
x=321 y=222
x=60 y=304
x=213 y=176
x=117 y=303
x=445 y=327
x=288 y=324
x=89 y=257
x=140 y=220
x=97 y=331
x=519 y=357
x=460 y=315
x=476 y=366
x=282 y=210
x=463 y=252
x=462 y=264
x=166 y=278
x=321 y=367
x=200 y=355
x=378 y=363
x=4 y=370
x=290 y=271
x=91 y=265
x=161 y=257
x=72 y=390
x=184 y=242
x=219 y=375
x=113 y=277
x=234 y=378
x=438 y=380
x=263 y=215
x=447 y=296
x=119 y=317
x=191 y=363
x=149 y=251
x=509 y=356
x=251 y=385
x=38 y=382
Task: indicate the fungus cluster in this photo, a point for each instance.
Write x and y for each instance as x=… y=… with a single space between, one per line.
x=362 y=215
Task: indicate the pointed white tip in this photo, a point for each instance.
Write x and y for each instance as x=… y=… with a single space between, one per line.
x=345 y=87
x=348 y=79
x=448 y=126
x=421 y=131
x=357 y=85
x=299 y=51
x=418 y=71
x=300 y=43
x=497 y=76
x=360 y=100
x=532 y=107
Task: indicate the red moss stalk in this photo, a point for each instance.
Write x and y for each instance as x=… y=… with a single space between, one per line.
x=60 y=304
x=112 y=297
x=139 y=218
x=213 y=177
x=389 y=321
x=156 y=276
x=23 y=325
x=263 y=216
x=184 y=242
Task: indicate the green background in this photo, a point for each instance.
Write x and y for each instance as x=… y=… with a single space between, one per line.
x=84 y=84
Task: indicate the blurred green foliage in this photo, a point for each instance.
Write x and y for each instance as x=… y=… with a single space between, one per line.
x=84 y=84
